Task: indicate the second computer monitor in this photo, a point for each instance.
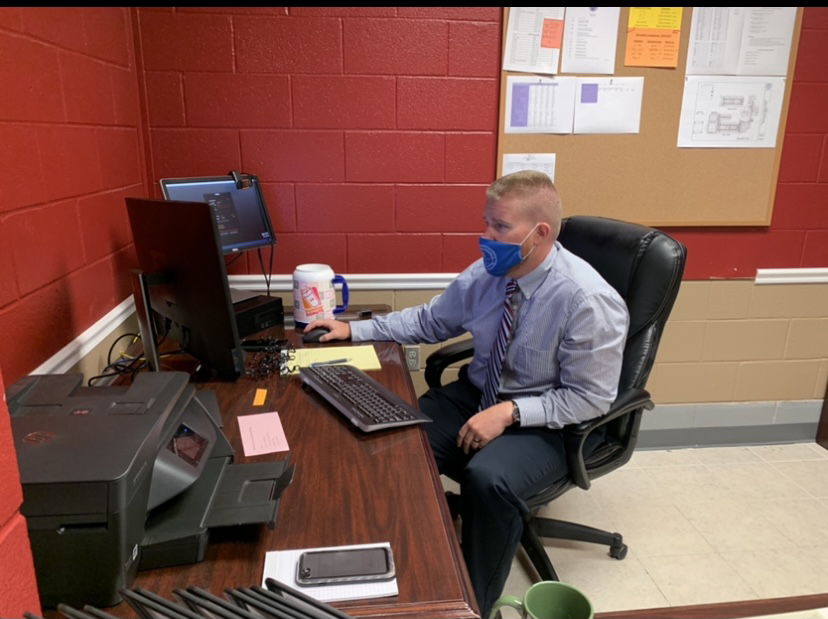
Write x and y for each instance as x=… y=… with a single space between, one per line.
x=181 y=283
x=237 y=202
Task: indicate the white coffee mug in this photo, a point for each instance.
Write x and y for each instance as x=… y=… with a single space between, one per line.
x=314 y=295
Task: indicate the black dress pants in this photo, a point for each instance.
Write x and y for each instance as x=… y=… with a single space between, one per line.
x=494 y=482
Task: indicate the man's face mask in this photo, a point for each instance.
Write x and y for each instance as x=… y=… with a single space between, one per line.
x=499 y=257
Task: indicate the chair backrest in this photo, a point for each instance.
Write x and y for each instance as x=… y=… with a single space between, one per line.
x=645 y=266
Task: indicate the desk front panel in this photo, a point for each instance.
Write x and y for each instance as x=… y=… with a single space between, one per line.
x=349 y=488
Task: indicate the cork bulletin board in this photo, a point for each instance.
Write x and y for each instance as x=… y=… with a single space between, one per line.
x=646 y=177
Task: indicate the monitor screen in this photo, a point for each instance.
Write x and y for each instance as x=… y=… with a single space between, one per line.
x=186 y=295
x=241 y=213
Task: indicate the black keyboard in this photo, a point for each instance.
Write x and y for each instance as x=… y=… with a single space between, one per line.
x=365 y=402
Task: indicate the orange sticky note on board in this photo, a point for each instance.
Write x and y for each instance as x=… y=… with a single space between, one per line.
x=552 y=33
x=262 y=434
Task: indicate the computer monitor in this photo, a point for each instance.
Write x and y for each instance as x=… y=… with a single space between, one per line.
x=237 y=202
x=181 y=285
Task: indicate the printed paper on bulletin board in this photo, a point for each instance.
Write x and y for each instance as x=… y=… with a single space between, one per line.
x=646 y=177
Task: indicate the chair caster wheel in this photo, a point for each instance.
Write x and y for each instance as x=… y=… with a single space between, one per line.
x=618 y=552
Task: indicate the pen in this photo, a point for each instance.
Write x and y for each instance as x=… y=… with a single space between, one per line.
x=331 y=362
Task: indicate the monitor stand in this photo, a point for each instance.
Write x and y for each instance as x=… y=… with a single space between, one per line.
x=141 y=283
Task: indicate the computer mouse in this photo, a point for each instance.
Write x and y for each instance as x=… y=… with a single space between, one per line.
x=314 y=334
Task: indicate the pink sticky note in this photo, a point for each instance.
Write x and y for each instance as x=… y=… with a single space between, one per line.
x=262 y=434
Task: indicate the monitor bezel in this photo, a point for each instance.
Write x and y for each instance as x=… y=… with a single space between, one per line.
x=255 y=185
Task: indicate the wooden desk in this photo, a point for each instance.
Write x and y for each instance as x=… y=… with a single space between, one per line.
x=822 y=428
x=749 y=608
x=348 y=488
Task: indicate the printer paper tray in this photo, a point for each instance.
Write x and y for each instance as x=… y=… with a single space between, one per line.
x=226 y=494
x=249 y=494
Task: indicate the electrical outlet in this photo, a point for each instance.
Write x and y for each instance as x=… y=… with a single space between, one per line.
x=412 y=357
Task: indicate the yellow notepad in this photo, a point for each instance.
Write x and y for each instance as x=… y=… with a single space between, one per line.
x=363 y=357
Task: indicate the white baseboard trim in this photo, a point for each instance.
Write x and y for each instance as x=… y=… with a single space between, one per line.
x=94 y=335
x=358 y=281
x=792 y=276
x=73 y=352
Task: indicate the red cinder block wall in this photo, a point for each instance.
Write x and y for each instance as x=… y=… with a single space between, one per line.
x=373 y=130
x=70 y=151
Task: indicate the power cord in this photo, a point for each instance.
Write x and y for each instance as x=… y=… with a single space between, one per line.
x=125 y=363
x=267 y=273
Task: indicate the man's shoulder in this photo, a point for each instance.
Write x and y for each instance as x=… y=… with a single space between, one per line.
x=472 y=275
x=581 y=275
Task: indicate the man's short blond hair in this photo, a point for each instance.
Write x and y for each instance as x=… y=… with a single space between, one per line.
x=540 y=199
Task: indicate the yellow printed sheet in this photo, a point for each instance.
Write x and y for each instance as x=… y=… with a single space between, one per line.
x=363 y=357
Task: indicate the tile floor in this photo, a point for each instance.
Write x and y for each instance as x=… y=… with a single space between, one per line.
x=703 y=525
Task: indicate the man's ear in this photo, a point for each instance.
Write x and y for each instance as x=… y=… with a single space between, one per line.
x=544 y=230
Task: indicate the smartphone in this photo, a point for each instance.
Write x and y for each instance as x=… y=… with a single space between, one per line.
x=327 y=567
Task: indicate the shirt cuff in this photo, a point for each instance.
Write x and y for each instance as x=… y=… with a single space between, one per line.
x=531 y=412
x=362 y=330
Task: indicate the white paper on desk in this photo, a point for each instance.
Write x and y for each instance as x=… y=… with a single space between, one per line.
x=281 y=565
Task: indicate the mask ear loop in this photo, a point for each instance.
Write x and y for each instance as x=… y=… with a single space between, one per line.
x=522 y=257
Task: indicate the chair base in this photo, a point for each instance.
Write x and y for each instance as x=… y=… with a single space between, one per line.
x=536 y=528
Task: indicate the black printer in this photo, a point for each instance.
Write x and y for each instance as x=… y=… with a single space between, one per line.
x=121 y=478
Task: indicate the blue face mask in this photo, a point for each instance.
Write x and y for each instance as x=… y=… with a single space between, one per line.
x=499 y=258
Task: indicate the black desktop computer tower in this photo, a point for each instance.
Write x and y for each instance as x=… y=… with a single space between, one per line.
x=258 y=313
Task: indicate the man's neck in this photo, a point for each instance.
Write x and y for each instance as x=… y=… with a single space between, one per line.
x=533 y=261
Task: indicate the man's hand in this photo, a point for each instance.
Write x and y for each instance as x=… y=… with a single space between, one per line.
x=337 y=330
x=485 y=426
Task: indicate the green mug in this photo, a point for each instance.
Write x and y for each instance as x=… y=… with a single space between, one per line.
x=548 y=599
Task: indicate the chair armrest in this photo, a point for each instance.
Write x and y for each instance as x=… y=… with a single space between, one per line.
x=440 y=359
x=575 y=435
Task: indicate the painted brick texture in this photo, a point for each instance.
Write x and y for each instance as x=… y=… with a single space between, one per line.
x=406 y=99
x=359 y=121
x=71 y=149
x=363 y=123
x=359 y=115
x=374 y=131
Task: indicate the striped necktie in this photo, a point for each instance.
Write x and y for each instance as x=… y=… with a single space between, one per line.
x=498 y=350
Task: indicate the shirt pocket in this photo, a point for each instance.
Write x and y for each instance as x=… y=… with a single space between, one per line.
x=534 y=367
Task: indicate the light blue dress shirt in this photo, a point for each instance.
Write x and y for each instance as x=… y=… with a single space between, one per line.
x=564 y=359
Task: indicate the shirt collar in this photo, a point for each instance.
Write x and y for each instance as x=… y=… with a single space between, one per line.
x=530 y=282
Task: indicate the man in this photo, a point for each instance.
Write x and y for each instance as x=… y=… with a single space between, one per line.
x=551 y=354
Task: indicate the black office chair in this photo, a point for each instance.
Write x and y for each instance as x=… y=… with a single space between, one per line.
x=645 y=266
